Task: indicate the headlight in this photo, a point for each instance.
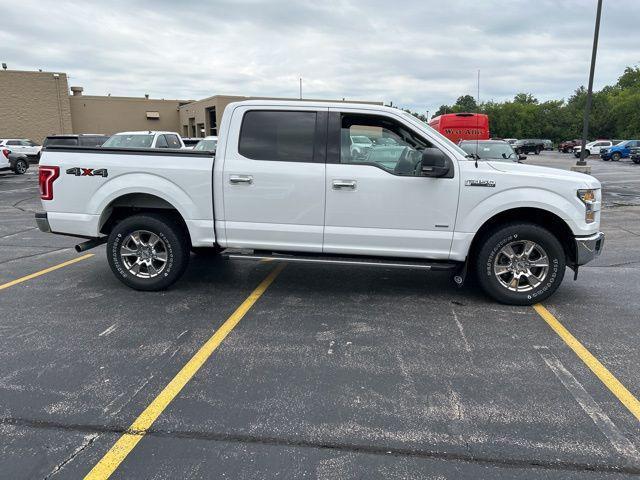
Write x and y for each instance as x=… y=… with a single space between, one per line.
x=588 y=197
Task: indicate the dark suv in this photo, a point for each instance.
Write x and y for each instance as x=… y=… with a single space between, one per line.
x=529 y=145
x=81 y=140
x=567 y=145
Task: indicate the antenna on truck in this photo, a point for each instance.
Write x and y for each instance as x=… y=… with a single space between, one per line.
x=478 y=119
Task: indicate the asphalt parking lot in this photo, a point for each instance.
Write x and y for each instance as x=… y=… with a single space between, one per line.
x=331 y=372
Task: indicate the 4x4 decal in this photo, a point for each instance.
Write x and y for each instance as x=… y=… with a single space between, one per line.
x=87 y=172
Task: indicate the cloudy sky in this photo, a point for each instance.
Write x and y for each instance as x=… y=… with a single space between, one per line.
x=418 y=54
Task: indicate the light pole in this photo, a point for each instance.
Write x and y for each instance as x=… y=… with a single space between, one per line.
x=581 y=164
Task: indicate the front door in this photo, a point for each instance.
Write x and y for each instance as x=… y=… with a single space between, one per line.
x=377 y=201
x=274 y=177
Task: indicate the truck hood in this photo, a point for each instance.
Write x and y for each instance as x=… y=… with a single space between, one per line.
x=582 y=180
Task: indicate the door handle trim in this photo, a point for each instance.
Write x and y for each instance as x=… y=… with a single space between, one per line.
x=340 y=184
x=240 y=179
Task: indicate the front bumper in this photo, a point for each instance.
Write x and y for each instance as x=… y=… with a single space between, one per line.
x=588 y=248
x=43 y=222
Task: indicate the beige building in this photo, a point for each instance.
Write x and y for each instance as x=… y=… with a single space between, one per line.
x=37 y=104
x=98 y=114
x=34 y=104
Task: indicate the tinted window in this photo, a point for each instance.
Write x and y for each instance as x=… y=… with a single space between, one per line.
x=282 y=136
x=161 y=142
x=60 y=141
x=13 y=142
x=173 y=141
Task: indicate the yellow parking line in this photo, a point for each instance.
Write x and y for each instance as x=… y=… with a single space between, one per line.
x=611 y=382
x=42 y=272
x=127 y=442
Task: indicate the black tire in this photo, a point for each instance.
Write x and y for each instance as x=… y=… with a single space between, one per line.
x=490 y=255
x=616 y=156
x=20 y=167
x=605 y=159
x=174 y=243
x=537 y=151
x=636 y=160
x=586 y=153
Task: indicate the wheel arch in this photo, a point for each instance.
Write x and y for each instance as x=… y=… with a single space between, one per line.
x=130 y=204
x=537 y=216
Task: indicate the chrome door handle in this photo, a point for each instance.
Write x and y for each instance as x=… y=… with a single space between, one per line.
x=340 y=184
x=238 y=179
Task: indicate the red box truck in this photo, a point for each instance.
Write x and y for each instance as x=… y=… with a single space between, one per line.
x=462 y=126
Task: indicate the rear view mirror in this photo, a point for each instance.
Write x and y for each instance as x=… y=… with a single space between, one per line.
x=436 y=164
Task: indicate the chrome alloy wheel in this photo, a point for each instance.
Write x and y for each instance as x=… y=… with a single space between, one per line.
x=144 y=254
x=521 y=265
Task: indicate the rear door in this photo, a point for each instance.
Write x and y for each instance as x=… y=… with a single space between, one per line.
x=274 y=178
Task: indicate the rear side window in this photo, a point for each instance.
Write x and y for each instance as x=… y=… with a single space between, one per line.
x=172 y=141
x=283 y=136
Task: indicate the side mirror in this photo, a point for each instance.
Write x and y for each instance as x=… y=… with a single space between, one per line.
x=436 y=164
x=521 y=157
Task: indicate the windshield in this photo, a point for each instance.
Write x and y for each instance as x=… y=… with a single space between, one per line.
x=130 y=141
x=206 y=145
x=435 y=133
x=490 y=151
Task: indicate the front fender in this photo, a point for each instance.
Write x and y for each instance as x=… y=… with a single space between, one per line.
x=476 y=214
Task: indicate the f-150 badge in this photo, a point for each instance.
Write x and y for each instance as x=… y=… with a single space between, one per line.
x=87 y=172
x=480 y=183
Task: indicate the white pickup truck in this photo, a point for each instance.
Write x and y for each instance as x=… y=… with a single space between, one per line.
x=285 y=185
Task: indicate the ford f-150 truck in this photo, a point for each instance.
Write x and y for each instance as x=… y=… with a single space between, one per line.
x=285 y=185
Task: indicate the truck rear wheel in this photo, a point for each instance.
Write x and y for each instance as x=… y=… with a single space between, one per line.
x=148 y=251
x=520 y=264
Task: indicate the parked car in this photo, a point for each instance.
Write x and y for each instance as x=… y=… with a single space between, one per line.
x=190 y=142
x=635 y=155
x=548 y=144
x=22 y=145
x=17 y=162
x=79 y=140
x=493 y=150
x=360 y=145
x=592 y=148
x=529 y=145
x=285 y=187
x=209 y=144
x=567 y=145
x=621 y=150
x=145 y=139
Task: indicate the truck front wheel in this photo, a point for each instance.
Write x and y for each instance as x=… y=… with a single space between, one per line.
x=148 y=251
x=520 y=264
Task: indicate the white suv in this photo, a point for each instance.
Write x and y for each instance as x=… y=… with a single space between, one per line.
x=145 y=139
x=21 y=145
x=592 y=148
